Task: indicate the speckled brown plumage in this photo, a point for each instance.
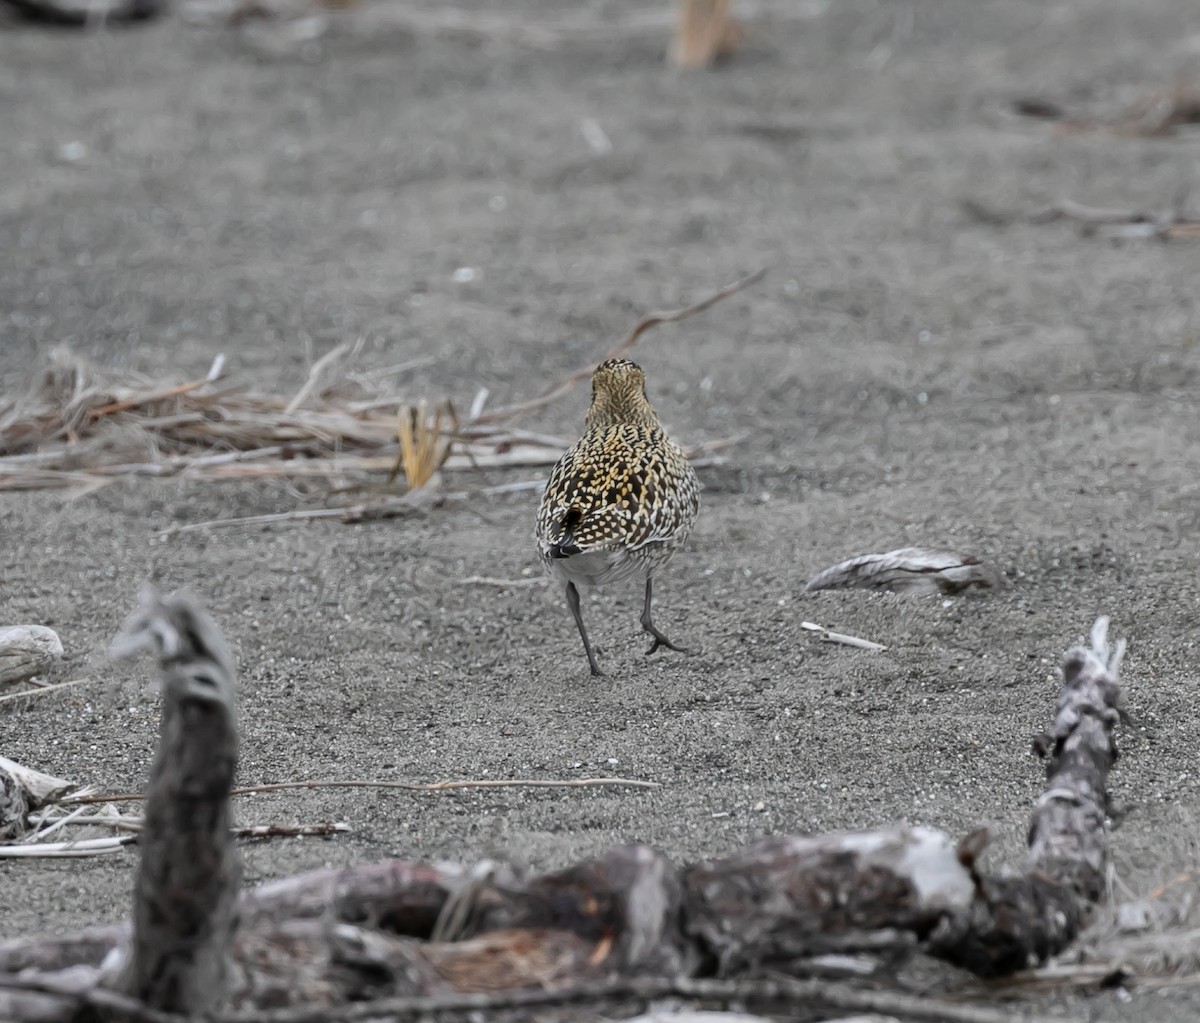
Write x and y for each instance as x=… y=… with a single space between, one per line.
x=621 y=501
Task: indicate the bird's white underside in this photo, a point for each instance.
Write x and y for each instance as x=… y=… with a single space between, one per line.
x=599 y=568
x=596 y=568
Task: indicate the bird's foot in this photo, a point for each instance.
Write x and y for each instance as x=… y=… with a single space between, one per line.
x=661 y=640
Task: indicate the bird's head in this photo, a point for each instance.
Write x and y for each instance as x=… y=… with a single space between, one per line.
x=619 y=396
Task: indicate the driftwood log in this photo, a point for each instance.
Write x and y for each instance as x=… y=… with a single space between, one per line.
x=400 y=939
x=27 y=650
x=909 y=570
x=185 y=897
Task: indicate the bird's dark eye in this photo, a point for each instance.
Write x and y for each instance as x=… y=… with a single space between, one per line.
x=572 y=519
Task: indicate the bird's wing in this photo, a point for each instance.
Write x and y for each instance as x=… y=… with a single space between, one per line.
x=623 y=487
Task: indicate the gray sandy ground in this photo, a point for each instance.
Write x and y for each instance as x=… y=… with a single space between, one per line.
x=906 y=375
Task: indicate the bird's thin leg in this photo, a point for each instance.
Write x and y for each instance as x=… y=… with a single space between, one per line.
x=573 y=603
x=648 y=625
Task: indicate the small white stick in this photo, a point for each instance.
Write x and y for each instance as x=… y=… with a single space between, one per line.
x=44 y=689
x=314 y=375
x=84 y=847
x=841 y=638
x=39 y=835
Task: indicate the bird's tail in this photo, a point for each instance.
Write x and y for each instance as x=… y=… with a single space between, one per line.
x=565 y=547
x=568 y=544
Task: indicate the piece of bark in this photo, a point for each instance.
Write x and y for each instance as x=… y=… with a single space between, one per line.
x=1017 y=922
x=14 y=807
x=396 y=896
x=632 y=916
x=1067 y=838
x=185 y=896
x=791 y=897
x=27 y=650
x=628 y=905
x=909 y=570
x=23 y=789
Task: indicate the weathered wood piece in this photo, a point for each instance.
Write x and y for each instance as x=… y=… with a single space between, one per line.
x=788 y=898
x=1017 y=922
x=185 y=896
x=909 y=570
x=27 y=650
x=399 y=940
x=23 y=789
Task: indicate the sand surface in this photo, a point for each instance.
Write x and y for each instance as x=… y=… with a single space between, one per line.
x=907 y=374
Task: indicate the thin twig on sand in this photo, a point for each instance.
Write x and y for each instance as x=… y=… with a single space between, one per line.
x=841 y=638
x=407 y=786
x=488 y=580
x=120 y=822
x=80 y=429
x=67 y=850
x=509 y=412
x=42 y=691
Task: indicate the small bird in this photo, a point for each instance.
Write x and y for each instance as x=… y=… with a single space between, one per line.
x=621 y=501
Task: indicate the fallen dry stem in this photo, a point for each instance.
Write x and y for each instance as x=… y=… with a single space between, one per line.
x=424 y=442
x=437 y=786
x=78 y=430
x=43 y=690
x=510 y=412
x=417 y=502
x=314 y=375
x=134 y=824
x=841 y=638
x=1119 y=223
x=67 y=850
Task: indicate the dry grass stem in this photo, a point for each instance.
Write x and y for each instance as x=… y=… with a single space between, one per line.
x=1119 y=223
x=62 y=822
x=43 y=690
x=120 y=822
x=645 y=323
x=80 y=430
x=424 y=442
x=67 y=850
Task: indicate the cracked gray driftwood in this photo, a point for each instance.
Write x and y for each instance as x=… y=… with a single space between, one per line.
x=27 y=650
x=185 y=896
x=22 y=789
x=327 y=945
x=909 y=570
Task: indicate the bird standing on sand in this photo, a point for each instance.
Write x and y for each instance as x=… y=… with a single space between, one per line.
x=621 y=501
